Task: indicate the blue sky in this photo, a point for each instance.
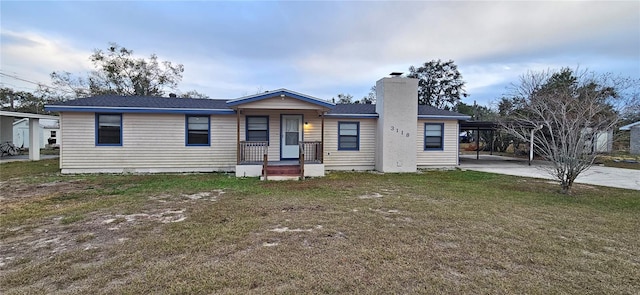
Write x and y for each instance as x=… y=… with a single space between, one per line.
x=231 y=49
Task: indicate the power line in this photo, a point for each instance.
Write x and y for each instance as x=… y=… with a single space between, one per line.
x=23 y=80
x=2 y=84
x=32 y=82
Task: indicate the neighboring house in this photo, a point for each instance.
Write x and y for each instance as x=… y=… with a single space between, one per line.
x=634 y=137
x=49 y=130
x=117 y=134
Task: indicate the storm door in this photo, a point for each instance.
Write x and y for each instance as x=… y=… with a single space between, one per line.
x=291 y=134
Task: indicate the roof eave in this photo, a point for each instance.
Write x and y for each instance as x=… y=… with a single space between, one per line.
x=444 y=117
x=354 y=116
x=97 y=109
x=629 y=126
x=27 y=115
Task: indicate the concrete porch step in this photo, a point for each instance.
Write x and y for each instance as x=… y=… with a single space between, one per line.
x=280 y=177
x=283 y=172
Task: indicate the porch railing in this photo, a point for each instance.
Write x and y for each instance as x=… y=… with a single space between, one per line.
x=256 y=152
x=253 y=151
x=311 y=151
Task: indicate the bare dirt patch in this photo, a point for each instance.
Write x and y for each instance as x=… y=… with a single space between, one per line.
x=211 y=196
x=55 y=238
x=370 y=196
x=17 y=190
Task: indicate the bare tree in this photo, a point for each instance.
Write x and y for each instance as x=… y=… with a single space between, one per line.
x=567 y=110
x=118 y=71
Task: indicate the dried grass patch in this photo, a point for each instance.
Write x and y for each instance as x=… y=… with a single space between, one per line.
x=457 y=232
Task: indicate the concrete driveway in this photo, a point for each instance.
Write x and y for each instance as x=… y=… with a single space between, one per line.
x=596 y=175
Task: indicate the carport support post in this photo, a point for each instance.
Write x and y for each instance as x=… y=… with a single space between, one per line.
x=491 y=152
x=478 y=143
x=322 y=139
x=34 y=139
x=237 y=137
x=531 y=147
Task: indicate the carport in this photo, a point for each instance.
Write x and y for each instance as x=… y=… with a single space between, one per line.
x=480 y=126
x=492 y=127
x=6 y=129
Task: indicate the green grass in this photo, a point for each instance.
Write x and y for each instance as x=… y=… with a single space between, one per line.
x=29 y=169
x=459 y=232
x=42 y=151
x=71 y=218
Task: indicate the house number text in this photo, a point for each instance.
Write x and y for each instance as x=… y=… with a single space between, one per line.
x=399 y=131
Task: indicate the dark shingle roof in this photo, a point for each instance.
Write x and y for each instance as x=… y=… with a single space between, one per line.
x=145 y=102
x=424 y=110
x=353 y=109
x=153 y=102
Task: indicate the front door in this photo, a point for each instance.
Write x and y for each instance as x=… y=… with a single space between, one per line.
x=290 y=136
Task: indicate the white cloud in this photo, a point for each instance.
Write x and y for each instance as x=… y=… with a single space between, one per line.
x=327 y=48
x=32 y=56
x=492 y=42
x=472 y=30
x=216 y=78
x=487 y=82
x=486 y=75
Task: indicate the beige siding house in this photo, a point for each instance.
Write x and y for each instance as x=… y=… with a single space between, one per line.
x=150 y=143
x=439 y=157
x=361 y=159
x=274 y=134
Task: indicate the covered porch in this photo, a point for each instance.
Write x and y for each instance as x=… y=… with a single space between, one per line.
x=280 y=135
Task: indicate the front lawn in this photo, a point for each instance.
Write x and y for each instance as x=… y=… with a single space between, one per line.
x=456 y=232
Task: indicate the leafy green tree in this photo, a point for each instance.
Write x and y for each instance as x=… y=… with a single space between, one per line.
x=7 y=99
x=193 y=94
x=343 y=98
x=371 y=96
x=477 y=112
x=501 y=139
x=440 y=84
x=21 y=101
x=118 y=72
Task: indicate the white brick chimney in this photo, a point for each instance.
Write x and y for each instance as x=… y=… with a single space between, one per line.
x=397 y=108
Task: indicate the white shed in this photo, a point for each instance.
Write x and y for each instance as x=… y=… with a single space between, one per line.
x=49 y=130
